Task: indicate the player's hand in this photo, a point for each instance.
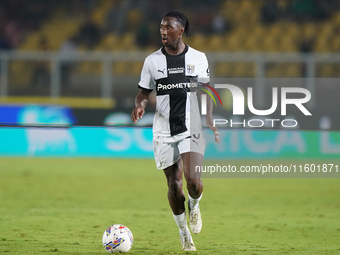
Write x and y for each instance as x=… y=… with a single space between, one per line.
x=217 y=137
x=137 y=114
x=210 y=124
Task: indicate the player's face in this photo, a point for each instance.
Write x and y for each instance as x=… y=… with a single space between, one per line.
x=171 y=31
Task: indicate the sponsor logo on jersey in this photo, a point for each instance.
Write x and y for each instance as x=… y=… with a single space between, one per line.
x=176 y=70
x=183 y=85
x=190 y=69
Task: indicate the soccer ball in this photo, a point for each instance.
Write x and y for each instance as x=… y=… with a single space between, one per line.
x=117 y=238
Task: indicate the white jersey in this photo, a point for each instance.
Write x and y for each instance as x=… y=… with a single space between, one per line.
x=175 y=77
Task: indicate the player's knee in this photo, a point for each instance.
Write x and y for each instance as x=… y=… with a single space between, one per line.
x=175 y=187
x=194 y=184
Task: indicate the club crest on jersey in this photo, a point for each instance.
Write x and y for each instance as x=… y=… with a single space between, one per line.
x=190 y=69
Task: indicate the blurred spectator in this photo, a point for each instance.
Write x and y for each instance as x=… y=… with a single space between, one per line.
x=35 y=12
x=116 y=18
x=4 y=42
x=88 y=5
x=214 y=4
x=306 y=46
x=158 y=8
x=67 y=47
x=89 y=33
x=203 y=23
x=305 y=10
x=14 y=34
x=327 y=7
x=220 y=25
x=191 y=4
x=143 y=33
x=298 y=10
x=270 y=12
x=41 y=73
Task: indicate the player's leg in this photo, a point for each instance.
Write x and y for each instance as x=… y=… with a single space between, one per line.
x=193 y=177
x=176 y=197
x=168 y=158
x=195 y=188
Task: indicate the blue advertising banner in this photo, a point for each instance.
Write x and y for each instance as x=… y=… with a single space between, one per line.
x=130 y=142
x=36 y=114
x=76 y=142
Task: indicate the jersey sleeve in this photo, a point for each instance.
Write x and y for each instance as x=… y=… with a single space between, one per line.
x=146 y=81
x=204 y=73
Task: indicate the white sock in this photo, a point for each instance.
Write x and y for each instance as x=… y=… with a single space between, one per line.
x=194 y=202
x=181 y=221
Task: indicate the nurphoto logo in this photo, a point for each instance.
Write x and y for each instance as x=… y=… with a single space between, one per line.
x=239 y=105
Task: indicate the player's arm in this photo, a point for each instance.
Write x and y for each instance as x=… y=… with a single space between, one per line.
x=141 y=102
x=145 y=85
x=209 y=116
x=204 y=78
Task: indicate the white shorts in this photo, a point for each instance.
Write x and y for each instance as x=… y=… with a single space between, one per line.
x=168 y=153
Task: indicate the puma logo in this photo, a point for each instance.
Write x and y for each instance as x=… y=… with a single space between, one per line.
x=161 y=71
x=197 y=136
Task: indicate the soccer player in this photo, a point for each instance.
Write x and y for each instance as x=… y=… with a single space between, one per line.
x=175 y=71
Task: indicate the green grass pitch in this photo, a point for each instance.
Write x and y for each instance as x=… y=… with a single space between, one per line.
x=63 y=206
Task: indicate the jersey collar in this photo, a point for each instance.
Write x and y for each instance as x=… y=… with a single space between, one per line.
x=168 y=55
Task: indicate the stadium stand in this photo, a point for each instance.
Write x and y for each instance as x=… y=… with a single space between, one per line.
x=224 y=25
x=245 y=17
